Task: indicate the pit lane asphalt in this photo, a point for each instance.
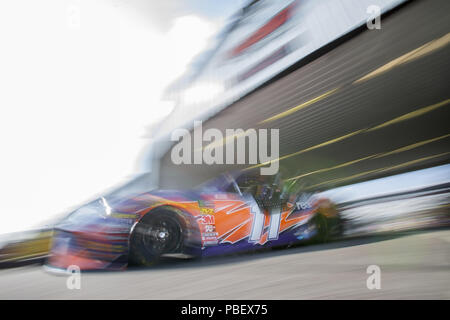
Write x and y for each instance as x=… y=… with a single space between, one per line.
x=413 y=265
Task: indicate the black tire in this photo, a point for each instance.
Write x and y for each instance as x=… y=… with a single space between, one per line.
x=323 y=229
x=156 y=234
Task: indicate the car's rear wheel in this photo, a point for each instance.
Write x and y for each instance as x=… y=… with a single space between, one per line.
x=322 y=228
x=156 y=234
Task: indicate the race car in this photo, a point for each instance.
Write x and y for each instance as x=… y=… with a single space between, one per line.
x=232 y=213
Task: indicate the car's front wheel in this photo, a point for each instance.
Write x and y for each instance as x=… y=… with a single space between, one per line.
x=156 y=234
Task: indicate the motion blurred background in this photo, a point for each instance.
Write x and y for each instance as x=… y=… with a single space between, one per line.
x=91 y=91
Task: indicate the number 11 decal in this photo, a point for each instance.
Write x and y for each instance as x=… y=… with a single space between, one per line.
x=258 y=224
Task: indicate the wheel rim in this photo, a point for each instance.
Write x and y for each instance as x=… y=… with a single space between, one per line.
x=162 y=235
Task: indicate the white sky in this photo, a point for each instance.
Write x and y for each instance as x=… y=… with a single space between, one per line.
x=79 y=81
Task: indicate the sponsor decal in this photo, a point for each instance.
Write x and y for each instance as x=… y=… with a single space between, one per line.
x=207 y=211
x=207 y=219
x=207 y=224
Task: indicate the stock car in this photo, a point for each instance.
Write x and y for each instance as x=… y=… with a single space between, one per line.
x=229 y=214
